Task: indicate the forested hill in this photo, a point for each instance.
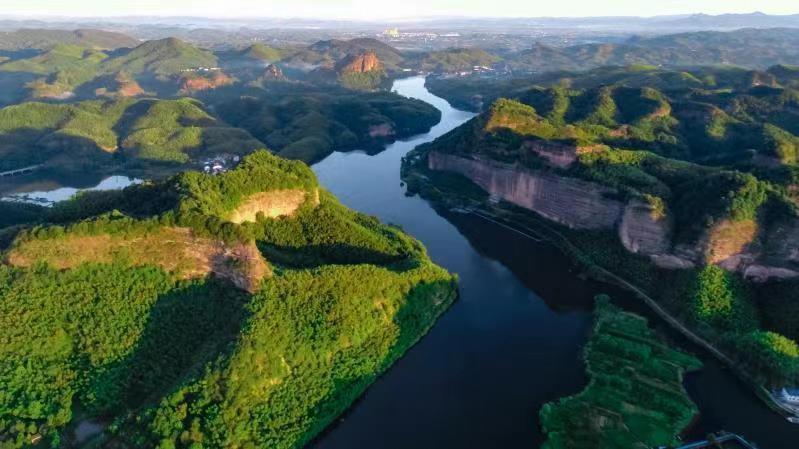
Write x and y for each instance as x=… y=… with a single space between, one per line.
x=751 y=47
x=684 y=183
x=32 y=38
x=247 y=309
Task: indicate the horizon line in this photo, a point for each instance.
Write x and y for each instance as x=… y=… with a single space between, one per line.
x=48 y=16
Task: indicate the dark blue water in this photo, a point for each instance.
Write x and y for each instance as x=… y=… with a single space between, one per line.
x=509 y=344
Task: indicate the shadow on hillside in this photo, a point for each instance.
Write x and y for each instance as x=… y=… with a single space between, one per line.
x=12 y=86
x=24 y=147
x=312 y=256
x=123 y=126
x=186 y=328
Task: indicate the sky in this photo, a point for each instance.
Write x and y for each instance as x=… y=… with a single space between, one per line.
x=379 y=9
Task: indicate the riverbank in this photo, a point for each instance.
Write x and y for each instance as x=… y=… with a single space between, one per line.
x=512 y=342
x=451 y=192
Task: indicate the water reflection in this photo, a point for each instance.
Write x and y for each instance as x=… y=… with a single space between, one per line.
x=47 y=192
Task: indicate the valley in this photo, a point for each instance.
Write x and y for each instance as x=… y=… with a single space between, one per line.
x=537 y=235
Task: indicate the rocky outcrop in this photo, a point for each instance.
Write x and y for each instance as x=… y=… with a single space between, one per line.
x=642 y=231
x=273 y=73
x=242 y=265
x=381 y=130
x=121 y=85
x=578 y=204
x=363 y=62
x=728 y=243
x=572 y=202
x=273 y=204
x=555 y=153
x=189 y=84
x=176 y=250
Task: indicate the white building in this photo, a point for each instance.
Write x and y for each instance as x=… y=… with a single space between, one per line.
x=790 y=396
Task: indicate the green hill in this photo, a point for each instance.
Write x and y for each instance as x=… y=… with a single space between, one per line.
x=685 y=190
x=45 y=39
x=98 y=134
x=174 y=327
x=634 y=398
x=65 y=68
x=308 y=124
x=262 y=52
x=161 y=58
x=456 y=60
x=749 y=47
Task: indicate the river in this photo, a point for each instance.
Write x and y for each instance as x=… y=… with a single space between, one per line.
x=513 y=339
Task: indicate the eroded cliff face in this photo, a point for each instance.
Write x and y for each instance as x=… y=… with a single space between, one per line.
x=176 y=250
x=200 y=83
x=572 y=202
x=642 y=231
x=359 y=63
x=273 y=72
x=555 y=153
x=579 y=204
x=273 y=204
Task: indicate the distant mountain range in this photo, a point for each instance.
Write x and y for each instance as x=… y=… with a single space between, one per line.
x=656 y=23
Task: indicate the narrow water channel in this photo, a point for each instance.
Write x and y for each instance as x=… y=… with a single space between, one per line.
x=509 y=344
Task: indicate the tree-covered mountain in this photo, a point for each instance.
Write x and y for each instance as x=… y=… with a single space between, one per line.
x=681 y=182
x=66 y=68
x=751 y=47
x=711 y=116
x=42 y=39
x=247 y=309
x=97 y=135
x=310 y=123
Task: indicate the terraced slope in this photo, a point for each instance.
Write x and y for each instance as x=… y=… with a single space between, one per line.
x=634 y=398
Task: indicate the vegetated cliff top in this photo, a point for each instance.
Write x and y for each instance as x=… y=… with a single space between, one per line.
x=710 y=116
x=175 y=309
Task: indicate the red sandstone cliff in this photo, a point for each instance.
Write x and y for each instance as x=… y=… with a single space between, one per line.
x=366 y=61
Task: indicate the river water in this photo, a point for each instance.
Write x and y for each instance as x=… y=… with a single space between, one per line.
x=513 y=339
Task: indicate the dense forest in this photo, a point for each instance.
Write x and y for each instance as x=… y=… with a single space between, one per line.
x=130 y=316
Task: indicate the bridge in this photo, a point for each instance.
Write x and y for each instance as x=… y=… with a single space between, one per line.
x=19 y=171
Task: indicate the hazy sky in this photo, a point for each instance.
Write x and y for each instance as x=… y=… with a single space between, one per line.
x=378 y=9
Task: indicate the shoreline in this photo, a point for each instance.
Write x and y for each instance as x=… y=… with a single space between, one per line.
x=604 y=275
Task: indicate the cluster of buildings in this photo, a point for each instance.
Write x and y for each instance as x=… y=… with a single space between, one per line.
x=202 y=69
x=220 y=163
